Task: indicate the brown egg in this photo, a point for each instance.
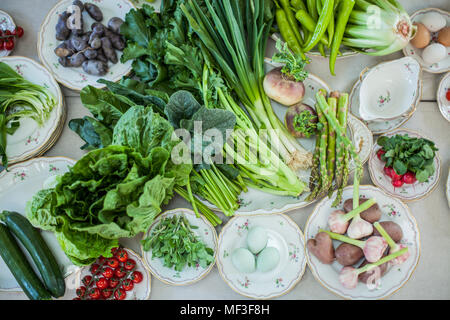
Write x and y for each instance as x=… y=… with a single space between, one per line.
x=444 y=37
x=422 y=37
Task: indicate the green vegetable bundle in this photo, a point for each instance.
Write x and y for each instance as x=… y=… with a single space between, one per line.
x=409 y=154
x=20 y=98
x=114 y=192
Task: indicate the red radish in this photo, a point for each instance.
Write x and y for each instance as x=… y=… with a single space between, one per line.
x=348 y=276
x=373 y=248
x=409 y=178
x=394 y=247
x=448 y=94
x=8 y=44
x=395 y=176
x=397 y=183
x=388 y=171
x=18 y=32
x=380 y=153
x=339 y=220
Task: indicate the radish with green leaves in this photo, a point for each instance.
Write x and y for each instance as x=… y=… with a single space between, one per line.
x=373 y=248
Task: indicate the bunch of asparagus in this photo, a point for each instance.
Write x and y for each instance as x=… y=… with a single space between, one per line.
x=333 y=150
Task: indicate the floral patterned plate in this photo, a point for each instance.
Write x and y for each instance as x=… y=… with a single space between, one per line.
x=76 y=78
x=17 y=186
x=30 y=139
x=409 y=192
x=447 y=187
x=189 y=275
x=383 y=126
x=284 y=234
x=393 y=210
x=141 y=291
x=6 y=23
x=258 y=202
x=444 y=104
x=410 y=50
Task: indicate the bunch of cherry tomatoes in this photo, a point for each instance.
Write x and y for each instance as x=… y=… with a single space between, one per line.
x=397 y=180
x=7 y=38
x=110 y=278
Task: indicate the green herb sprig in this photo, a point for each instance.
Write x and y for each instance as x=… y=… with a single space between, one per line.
x=294 y=65
x=177 y=245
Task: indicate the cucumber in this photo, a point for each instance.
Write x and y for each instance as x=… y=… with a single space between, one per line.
x=42 y=257
x=19 y=266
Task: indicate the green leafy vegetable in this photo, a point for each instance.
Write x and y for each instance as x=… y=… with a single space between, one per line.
x=174 y=241
x=20 y=98
x=293 y=65
x=305 y=123
x=405 y=153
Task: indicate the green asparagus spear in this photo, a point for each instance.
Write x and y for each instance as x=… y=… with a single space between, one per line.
x=331 y=152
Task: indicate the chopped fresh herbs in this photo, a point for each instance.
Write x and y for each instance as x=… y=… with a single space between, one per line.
x=174 y=241
x=405 y=153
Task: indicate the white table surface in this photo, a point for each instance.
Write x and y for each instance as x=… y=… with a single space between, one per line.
x=429 y=281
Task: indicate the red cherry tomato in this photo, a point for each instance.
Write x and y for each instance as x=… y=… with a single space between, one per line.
x=129 y=264
x=108 y=273
x=380 y=153
x=107 y=293
x=409 y=178
x=397 y=183
x=113 y=263
x=77 y=298
x=114 y=250
x=94 y=268
x=114 y=282
x=102 y=283
x=1 y=43
x=396 y=176
x=122 y=255
x=8 y=44
x=448 y=94
x=120 y=294
x=128 y=285
x=80 y=291
x=87 y=281
x=136 y=276
x=7 y=33
x=102 y=260
x=95 y=293
x=120 y=273
x=18 y=32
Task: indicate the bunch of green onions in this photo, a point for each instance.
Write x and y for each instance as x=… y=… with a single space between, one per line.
x=378 y=27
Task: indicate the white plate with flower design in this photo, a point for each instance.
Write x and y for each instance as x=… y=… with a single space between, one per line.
x=30 y=139
x=189 y=275
x=18 y=185
x=380 y=126
x=410 y=50
x=408 y=192
x=259 y=202
x=284 y=235
x=395 y=277
x=140 y=291
x=76 y=78
x=443 y=102
x=6 y=23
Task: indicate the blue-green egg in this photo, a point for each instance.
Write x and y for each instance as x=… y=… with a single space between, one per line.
x=257 y=239
x=243 y=260
x=268 y=259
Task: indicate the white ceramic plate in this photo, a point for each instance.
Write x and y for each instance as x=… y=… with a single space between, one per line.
x=409 y=50
x=393 y=210
x=258 y=202
x=76 y=78
x=444 y=104
x=141 y=291
x=345 y=52
x=205 y=232
x=447 y=187
x=284 y=234
x=17 y=187
x=412 y=192
x=30 y=139
x=6 y=23
x=379 y=127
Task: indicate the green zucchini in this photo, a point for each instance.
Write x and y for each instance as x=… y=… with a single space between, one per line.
x=20 y=268
x=42 y=257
